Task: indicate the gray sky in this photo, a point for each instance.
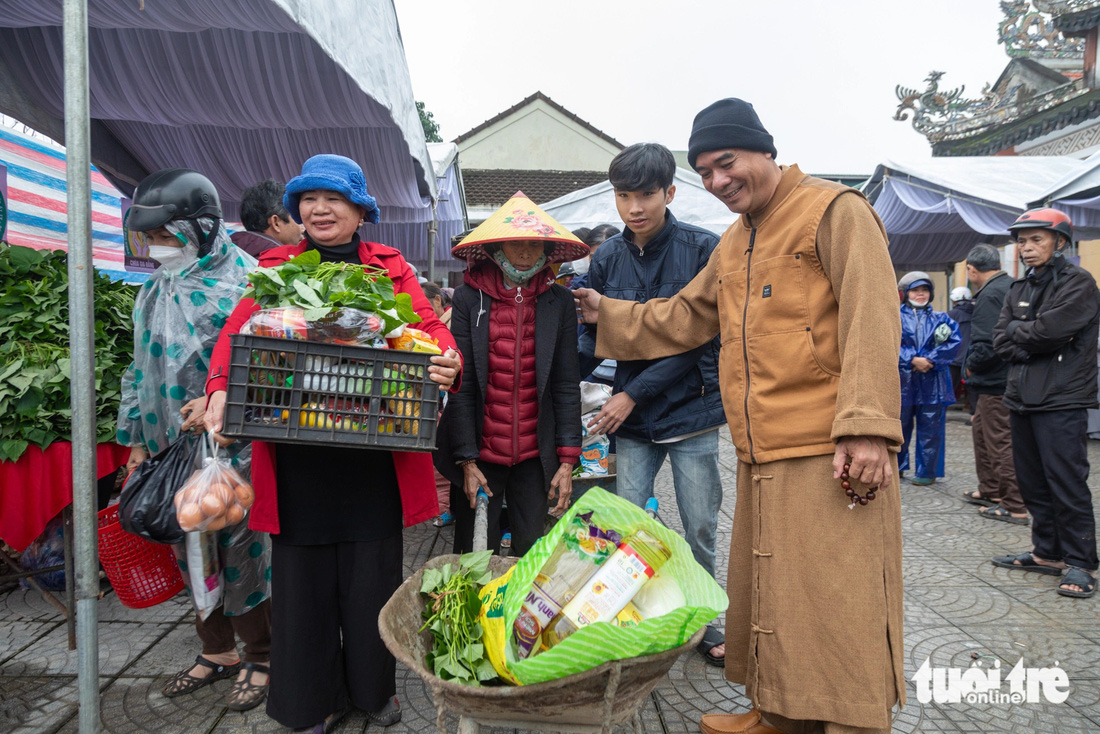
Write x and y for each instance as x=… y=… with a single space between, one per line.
x=820 y=74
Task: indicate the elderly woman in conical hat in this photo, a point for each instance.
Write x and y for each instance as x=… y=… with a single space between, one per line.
x=513 y=428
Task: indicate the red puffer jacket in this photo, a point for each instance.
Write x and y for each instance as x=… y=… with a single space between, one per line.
x=510 y=432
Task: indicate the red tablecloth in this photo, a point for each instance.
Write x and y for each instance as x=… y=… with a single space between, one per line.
x=40 y=485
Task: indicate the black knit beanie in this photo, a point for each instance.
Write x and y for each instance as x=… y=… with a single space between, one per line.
x=728 y=123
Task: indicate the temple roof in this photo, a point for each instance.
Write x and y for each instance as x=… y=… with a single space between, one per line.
x=1077 y=17
x=1041 y=90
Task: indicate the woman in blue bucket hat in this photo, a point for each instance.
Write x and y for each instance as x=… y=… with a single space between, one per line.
x=335 y=514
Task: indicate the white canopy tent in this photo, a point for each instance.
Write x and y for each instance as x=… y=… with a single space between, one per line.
x=1078 y=195
x=241 y=91
x=936 y=209
x=449 y=215
x=595 y=205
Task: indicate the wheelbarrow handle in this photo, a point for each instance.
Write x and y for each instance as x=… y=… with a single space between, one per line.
x=481 y=521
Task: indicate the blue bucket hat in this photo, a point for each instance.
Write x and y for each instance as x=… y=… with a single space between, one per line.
x=331 y=173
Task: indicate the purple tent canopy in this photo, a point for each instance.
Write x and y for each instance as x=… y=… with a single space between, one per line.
x=935 y=210
x=241 y=90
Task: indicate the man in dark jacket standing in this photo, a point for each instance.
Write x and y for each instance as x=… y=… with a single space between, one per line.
x=671 y=406
x=1047 y=333
x=997 y=490
x=266 y=221
x=962 y=311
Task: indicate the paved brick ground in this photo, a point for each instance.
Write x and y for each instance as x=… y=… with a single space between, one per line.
x=957 y=605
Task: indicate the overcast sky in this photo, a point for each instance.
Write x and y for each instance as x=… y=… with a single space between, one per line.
x=820 y=74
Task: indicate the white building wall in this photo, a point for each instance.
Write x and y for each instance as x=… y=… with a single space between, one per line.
x=538 y=138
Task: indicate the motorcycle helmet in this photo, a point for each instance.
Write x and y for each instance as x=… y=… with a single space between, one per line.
x=175 y=193
x=1054 y=220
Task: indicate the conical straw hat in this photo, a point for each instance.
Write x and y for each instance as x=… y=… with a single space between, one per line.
x=520 y=219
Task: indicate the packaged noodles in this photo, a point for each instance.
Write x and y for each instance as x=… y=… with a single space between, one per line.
x=579 y=553
x=611 y=588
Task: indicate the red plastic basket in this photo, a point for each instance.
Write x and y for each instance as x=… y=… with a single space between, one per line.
x=142 y=573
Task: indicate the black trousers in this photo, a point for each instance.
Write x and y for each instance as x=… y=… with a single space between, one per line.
x=1052 y=470
x=325 y=646
x=525 y=487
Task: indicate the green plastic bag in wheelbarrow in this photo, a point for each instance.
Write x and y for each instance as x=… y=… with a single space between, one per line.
x=598 y=643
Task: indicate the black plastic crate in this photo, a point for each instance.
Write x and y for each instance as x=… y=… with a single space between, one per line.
x=289 y=391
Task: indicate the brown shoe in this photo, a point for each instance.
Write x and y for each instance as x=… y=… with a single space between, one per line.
x=749 y=723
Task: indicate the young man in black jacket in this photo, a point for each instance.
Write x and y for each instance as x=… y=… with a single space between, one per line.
x=1047 y=333
x=661 y=407
x=986 y=373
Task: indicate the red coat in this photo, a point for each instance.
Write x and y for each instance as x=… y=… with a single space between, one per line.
x=415 y=476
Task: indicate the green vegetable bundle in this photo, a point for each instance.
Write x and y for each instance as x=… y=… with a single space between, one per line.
x=453 y=605
x=34 y=349
x=318 y=288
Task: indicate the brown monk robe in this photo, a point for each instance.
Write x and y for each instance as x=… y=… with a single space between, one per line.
x=802 y=292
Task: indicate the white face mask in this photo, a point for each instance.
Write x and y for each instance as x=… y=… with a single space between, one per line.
x=914 y=304
x=171 y=257
x=580 y=267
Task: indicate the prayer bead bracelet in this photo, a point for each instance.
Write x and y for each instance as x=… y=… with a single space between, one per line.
x=852 y=494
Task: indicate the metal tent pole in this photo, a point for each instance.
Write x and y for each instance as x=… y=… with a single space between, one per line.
x=433 y=231
x=82 y=357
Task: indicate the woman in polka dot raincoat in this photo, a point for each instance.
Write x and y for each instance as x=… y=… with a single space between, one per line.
x=177 y=317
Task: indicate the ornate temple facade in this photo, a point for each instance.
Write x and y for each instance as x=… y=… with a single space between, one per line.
x=1045 y=102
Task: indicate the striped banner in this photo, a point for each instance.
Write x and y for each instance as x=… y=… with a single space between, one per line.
x=37 y=202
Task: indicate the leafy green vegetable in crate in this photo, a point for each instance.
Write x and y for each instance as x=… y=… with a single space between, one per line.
x=34 y=349
x=452 y=608
x=318 y=288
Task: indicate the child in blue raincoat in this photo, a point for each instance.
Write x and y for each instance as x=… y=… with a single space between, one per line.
x=929 y=342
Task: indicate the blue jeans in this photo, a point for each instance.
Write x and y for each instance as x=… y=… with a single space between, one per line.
x=695 y=475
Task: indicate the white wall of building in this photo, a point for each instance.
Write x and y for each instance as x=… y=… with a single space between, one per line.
x=536 y=137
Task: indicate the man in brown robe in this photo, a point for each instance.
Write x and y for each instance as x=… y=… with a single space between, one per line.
x=801 y=290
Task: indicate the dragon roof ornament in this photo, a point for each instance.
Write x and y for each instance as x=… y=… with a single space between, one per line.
x=1027 y=31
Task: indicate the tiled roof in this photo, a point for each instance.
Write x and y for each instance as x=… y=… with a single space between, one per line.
x=486 y=187
x=539 y=95
x=1075 y=111
x=1075 y=23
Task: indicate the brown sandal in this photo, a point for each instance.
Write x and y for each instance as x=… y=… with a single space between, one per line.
x=183 y=682
x=245 y=694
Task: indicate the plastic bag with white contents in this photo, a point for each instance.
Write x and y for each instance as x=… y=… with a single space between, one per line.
x=204 y=572
x=593 y=396
x=215 y=496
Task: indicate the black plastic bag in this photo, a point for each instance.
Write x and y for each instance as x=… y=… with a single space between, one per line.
x=146 y=507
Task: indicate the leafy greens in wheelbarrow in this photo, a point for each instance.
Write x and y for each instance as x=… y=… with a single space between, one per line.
x=319 y=288
x=452 y=609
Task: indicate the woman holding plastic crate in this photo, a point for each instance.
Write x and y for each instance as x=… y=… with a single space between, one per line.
x=514 y=427
x=335 y=514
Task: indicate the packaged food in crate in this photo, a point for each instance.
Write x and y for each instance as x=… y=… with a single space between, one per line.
x=310 y=392
x=338 y=326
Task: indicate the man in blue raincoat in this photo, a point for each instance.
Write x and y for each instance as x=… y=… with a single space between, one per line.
x=929 y=341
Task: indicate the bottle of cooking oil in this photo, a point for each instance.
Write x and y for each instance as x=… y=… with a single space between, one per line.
x=611 y=588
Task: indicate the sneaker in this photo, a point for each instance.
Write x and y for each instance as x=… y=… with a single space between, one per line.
x=444 y=520
x=922 y=481
x=388 y=715
x=506 y=540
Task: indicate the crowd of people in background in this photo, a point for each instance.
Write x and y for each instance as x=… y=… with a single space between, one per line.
x=1021 y=356
x=784 y=329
